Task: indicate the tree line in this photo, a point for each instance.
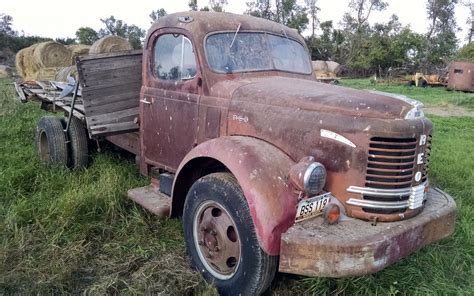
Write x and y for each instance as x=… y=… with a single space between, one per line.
x=363 y=48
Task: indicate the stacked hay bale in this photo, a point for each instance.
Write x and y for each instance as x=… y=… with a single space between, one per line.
x=326 y=69
x=78 y=50
x=54 y=61
x=110 y=44
x=34 y=61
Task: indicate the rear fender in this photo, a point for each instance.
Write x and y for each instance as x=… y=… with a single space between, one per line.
x=261 y=170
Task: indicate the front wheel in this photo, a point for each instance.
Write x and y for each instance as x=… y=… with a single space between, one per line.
x=221 y=238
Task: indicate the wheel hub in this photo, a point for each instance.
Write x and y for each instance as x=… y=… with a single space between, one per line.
x=218 y=243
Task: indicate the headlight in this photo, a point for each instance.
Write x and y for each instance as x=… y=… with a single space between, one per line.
x=416 y=112
x=314 y=178
x=308 y=176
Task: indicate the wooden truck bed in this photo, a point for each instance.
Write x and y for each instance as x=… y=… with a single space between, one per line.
x=108 y=96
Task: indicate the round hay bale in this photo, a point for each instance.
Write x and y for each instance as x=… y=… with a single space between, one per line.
x=320 y=66
x=63 y=73
x=47 y=73
x=110 y=44
x=333 y=67
x=5 y=71
x=52 y=54
x=19 y=62
x=31 y=67
x=78 y=50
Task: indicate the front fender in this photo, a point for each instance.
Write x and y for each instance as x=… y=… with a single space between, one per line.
x=261 y=170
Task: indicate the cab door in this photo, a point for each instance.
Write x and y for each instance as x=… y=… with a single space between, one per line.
x=169 y=99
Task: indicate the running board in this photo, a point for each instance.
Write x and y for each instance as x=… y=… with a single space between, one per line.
x=151 y=199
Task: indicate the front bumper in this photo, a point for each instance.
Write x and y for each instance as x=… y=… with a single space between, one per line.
x=355 y=247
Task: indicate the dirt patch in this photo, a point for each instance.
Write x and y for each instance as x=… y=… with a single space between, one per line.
x=449 y=111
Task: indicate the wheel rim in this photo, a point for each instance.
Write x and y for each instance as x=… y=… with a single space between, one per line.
x=217 y=240
x=43 y=146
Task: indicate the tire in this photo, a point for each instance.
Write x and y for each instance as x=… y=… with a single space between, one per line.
x=216 y=214
x=78 y=144
x=423 y=83
x=411 y=83
x=51 y=141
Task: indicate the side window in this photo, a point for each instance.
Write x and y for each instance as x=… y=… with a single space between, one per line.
x=174 y=58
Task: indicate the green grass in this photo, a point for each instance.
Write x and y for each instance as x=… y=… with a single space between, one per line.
x=431 y=96
x=76 y=232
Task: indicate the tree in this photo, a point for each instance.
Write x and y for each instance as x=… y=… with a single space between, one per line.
x=6 y=24
x=469 y=4
x=193 y=5
x=313 y=10
x=116 y=27
x=441 y=34
x=286 y=12
x=157 y=14
x=217 y=5
x=66 y=41
x=86 y=35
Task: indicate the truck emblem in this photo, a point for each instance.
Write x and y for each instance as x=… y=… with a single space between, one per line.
x=422 y=140
x=418 y=176
x=336 y=137
x=419 y=159
x=240 y=118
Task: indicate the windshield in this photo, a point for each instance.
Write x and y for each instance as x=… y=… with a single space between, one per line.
x=255 y=51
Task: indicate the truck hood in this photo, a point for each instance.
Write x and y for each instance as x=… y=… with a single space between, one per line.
x=296 y=93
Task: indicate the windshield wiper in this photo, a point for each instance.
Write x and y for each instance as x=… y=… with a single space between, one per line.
x=235 y=35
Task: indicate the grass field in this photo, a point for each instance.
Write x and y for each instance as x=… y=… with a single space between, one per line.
x=75 y=232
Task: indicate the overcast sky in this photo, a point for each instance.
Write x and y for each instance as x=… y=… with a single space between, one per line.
x=61 y=18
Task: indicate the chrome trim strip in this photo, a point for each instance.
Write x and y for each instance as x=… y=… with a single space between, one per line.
x=379 y=192
x=371 y=204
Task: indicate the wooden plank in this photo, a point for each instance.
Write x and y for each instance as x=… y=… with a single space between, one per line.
x=120 y=105
x=90 y=95
x=90 y=77
x=111 y=128
x=111 y=64
x=129 y=95
x=128 y=53
x=19 y=91
x=114 y=115
x=112 y=77
x=100 y=84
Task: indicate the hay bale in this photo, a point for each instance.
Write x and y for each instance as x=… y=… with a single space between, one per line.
x=320 y=65
x=333 y=67
x=19 y=62
x=78 y=50
x=63 y=73
x=52 y=54
x=110 y=44
x=47 y=73
x=5 y=71
x=31 y=67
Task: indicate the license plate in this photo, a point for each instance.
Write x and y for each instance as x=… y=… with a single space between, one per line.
x=312 y=207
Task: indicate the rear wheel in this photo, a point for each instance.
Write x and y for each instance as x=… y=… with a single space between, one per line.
x=51 y=141
x=221 y=238
x=78 y=144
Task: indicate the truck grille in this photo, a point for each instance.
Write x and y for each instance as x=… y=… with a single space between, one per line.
x=390 y=163
x=389 y=177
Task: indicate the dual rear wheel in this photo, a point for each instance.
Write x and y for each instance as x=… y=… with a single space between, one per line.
x=58 y=148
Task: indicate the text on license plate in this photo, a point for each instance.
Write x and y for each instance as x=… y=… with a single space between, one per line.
x=311 y=207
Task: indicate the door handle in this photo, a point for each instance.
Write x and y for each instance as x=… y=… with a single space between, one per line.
x=144 y=101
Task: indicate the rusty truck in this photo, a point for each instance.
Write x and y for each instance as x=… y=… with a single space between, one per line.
x=268 y=169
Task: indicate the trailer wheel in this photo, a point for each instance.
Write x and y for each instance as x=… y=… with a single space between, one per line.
x=423 y=83
x=78 y=144
x=51 y=141
x=221 y=238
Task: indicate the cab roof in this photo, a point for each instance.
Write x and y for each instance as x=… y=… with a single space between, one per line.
x=201 y=23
